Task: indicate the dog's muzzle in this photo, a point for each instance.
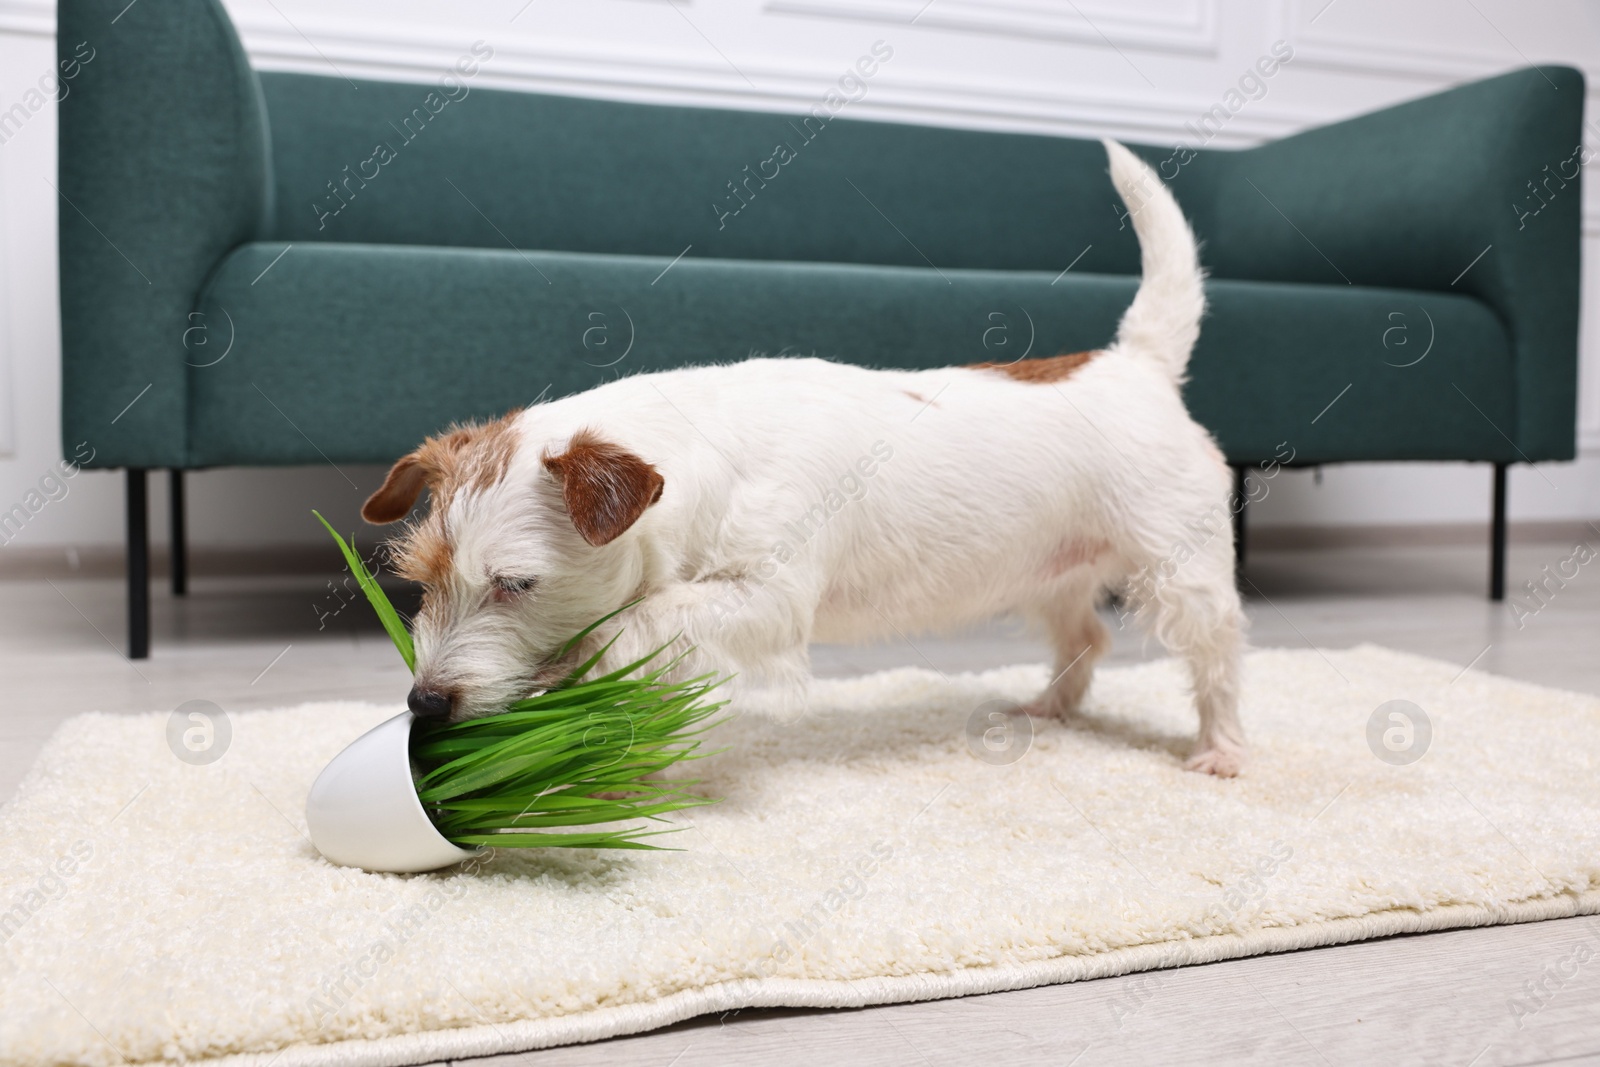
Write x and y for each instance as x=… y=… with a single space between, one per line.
x=429 y=703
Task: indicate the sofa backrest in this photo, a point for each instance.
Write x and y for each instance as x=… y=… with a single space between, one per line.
x=454 y=164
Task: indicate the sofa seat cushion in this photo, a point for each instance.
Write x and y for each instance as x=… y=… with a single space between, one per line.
x=353 y=353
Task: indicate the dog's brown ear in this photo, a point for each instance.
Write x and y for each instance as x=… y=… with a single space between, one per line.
x=399 y=491
x=437 y=460
x=606 y=487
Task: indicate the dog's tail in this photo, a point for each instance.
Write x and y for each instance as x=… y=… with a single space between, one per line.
x=1163 y=321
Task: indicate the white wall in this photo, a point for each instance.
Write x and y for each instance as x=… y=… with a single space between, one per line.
x=1137 y=69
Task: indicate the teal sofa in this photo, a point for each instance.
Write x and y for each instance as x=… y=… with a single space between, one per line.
x=248 y=278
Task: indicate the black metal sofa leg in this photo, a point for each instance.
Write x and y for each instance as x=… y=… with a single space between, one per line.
x=1497 y=536
x=180 y=532
x=138 y=564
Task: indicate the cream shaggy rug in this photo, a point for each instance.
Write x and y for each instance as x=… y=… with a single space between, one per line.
x=161 y=910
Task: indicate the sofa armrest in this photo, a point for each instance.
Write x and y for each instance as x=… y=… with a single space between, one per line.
x=1476 y=190
x=163 y=169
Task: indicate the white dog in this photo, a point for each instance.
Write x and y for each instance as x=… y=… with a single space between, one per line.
x=761 y=506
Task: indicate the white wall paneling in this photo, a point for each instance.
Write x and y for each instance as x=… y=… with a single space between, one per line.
x=1154 y=25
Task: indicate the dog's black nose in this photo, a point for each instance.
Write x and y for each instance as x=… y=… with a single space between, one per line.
x=428 y=703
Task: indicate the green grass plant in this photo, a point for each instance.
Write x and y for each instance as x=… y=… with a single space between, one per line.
x=587 y=752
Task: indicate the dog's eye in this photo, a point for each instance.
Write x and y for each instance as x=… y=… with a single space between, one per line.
x=507 y=586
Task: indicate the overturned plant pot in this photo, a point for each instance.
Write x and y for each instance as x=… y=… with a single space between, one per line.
x=363 y=810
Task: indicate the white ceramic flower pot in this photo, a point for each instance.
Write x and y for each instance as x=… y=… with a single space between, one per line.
x=363 y=809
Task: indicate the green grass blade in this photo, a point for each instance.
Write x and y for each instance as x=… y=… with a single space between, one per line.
x=614 y=839
x=392 y=623
x=577 y=638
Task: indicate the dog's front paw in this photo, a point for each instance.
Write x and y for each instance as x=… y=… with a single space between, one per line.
x=1039 y=709
x=1224 y=761
x=1057 y=702
x=1048 y=707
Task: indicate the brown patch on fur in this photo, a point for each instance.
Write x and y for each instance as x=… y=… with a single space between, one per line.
x=474 y=456
x=606 y=487
x=464 y=457
x=426 y=555
x=1070 y=554
x=918 y=397
x=1040 y=371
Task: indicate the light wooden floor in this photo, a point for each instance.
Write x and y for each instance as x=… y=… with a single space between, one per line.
x=1439 y=998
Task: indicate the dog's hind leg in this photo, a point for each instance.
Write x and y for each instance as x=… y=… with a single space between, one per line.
x=1192 y=608
x=1078 y=638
